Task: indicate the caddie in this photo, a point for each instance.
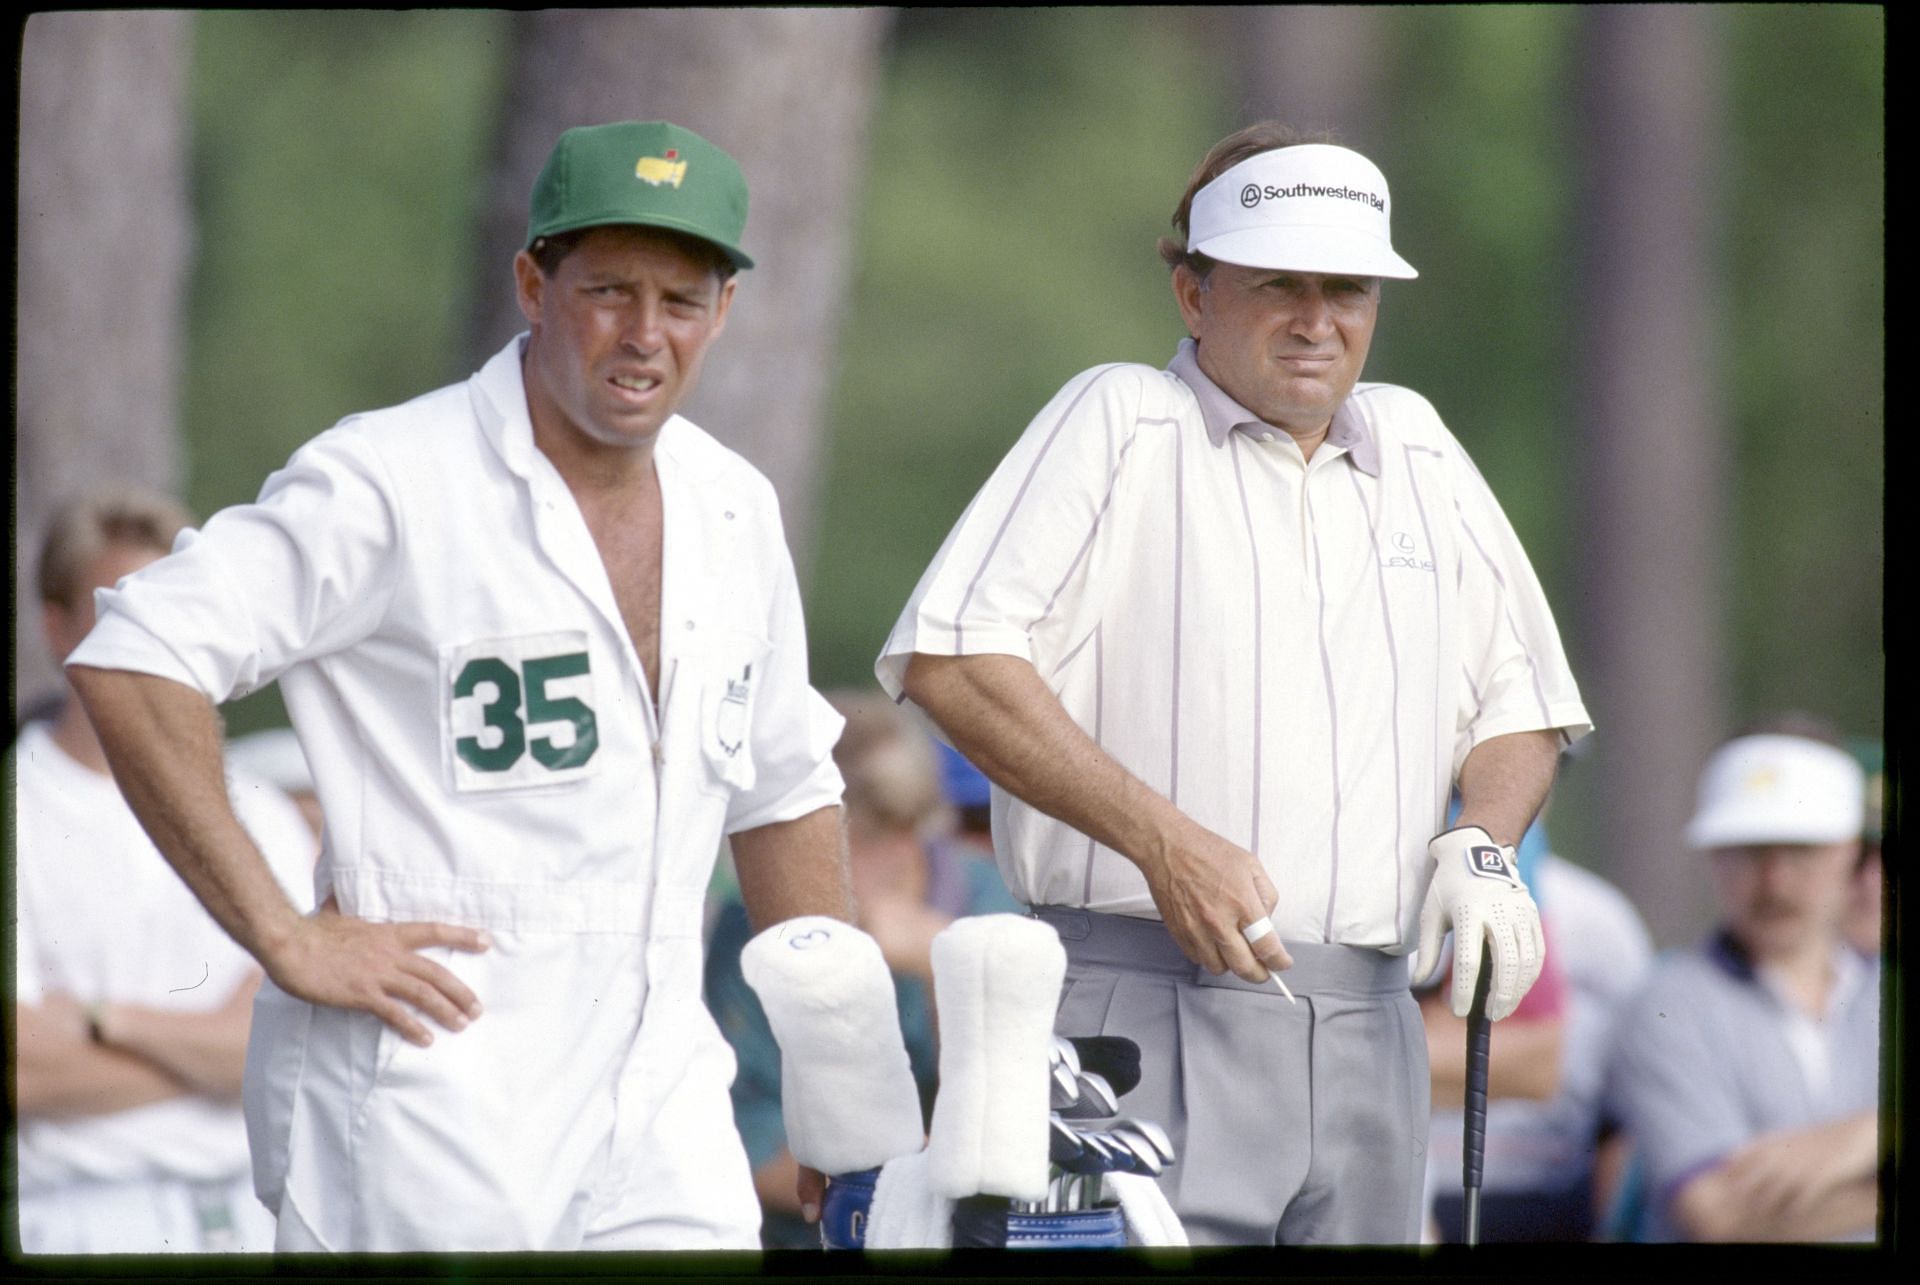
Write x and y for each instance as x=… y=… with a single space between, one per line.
x=541 y=641
x=1223 y=636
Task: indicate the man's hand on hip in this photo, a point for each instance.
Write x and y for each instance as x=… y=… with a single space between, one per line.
x=1208 y=890
x=334 y=959
x=1477 y=892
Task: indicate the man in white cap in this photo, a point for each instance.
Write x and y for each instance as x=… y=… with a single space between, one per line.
x=1223 y=637
x=1746 y=1072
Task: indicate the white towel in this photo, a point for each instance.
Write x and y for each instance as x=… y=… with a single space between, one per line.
x=907 y=1213
x=996 y=983
x=846 y=1088
x=1151 y=1222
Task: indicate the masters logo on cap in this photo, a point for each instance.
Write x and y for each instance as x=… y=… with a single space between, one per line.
x=646 y=174
x=1767 y=789
x=661 y=169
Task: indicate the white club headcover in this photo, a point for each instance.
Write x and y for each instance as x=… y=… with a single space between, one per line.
x=1151 y=1222
x=846 y=1088
x=996 y=982
x=1477 y=892
x=907 y=1213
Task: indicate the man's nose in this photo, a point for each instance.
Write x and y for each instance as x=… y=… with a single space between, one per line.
x=1313 y=320
x=643 y=331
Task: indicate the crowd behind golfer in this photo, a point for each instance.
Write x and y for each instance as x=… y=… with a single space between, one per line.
x=1723 y=1090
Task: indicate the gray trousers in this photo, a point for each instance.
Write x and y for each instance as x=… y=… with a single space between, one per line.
x=1294 y=1124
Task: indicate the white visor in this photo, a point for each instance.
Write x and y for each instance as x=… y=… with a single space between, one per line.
x=1310 y=208
x=1778 y=789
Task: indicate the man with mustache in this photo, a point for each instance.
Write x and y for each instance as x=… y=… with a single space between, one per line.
x=1746 y=1071
x=1223 y=636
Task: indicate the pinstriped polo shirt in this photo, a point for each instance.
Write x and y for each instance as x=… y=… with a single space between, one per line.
x=1298 y=654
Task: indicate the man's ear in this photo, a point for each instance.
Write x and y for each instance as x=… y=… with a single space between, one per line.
x=1188 y=289
x=725 y=302
x=530 y=285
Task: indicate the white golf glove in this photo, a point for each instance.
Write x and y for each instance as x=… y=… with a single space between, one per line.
x=1477 y=892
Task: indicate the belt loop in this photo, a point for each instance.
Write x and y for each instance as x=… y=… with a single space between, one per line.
x=1071 y=924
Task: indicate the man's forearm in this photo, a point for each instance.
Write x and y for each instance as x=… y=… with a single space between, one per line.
x=1708 y=1213
x=794 y=868
x=999 y=713
x=163 y=742
x=207 y=1051
x=60 y=1073
x=1800 y=1184
x=1505 y=780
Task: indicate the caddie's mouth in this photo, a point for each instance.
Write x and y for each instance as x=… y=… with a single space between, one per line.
x=636 y=387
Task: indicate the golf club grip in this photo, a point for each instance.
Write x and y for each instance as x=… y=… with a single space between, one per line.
x=1114 y=1058
x=1479 y=1040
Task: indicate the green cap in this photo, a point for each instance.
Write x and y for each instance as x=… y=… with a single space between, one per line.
x=650 y=173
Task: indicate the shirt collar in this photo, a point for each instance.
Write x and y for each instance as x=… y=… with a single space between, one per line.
x=1349 y=432
x=502 y=384
x=1850 y=971
x=510 y=426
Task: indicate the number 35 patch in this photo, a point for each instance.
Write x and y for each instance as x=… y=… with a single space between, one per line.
x=519 y=711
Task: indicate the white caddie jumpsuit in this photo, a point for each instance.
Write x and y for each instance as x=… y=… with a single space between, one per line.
x=427 y=593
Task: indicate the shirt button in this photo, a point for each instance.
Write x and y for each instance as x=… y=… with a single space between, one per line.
x=729 y=515
x=689 y=624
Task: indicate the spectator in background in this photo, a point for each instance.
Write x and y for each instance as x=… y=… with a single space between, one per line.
x=1864 y=924
x=275 y=755
x=908 y=884
x=1746 y=1071
x=971 y=797
x=1540 y=1182
x=131 y=1007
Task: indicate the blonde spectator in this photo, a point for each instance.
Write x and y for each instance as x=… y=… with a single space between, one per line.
x=132 y=1007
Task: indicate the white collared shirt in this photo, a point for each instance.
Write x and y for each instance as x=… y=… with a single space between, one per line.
x=1298 y=654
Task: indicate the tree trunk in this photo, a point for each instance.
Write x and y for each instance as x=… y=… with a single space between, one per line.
x=1654 y=461
x=788 y=92
x=104 y=239
x=1316 y=67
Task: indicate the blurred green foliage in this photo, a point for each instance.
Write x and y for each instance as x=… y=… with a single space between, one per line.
x=1805 y=359
x=1474 y=143
x=1023 y=162
x=1015 y=189
x=338 y=158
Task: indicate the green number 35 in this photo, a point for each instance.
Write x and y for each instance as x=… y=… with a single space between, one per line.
x=502 y=713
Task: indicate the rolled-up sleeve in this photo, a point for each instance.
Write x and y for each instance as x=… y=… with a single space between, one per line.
x=305 y=570
x=1515 y=674
x=1018 y=554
